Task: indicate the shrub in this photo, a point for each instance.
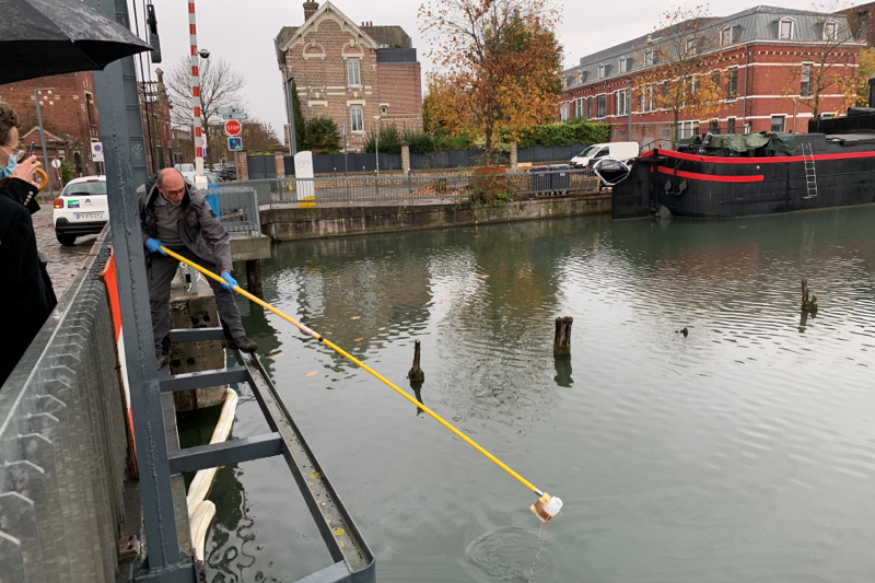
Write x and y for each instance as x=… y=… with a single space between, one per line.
x=390 y=140
x=322 y=136
x=579 y=131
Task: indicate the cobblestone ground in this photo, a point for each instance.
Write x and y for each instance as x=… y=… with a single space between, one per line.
x=63 y=261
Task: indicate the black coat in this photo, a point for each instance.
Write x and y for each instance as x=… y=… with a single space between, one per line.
x=26 y=294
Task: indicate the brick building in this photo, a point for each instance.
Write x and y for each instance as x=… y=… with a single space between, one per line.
x=70 y=118
x=155 y=109
x=359 y=76
x=765 y=56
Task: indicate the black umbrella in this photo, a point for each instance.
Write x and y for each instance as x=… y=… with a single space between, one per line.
x=50 y=37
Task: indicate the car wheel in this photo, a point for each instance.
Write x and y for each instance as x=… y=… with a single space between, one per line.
x=66 y=240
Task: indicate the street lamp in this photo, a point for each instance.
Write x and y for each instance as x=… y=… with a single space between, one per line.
x=293 y=142
x=42 y=132
x=377 y=141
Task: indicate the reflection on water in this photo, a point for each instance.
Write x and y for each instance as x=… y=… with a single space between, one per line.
x=741 y=451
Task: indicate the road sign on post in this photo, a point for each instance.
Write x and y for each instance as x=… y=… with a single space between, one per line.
x=97 y=151
x=230 y=110
x=236 y=116
x=233 y=128
x=235 y=144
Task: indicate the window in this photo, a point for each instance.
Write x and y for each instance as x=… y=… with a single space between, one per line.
x=732 y=84
x=589 y=107
x=730 y=125
x=384 y=110
x=778 y=123
x=727 y=36
x=714 y=126
x=829 y=31
x=862 y=24
x=92 y=113
x=827 y=115
x=601 y=71
x=354 y=72
x=805 y=86
x=357 y=120
x=688 y=129
x=620 y=103
x=785 y=29
x=601 y=105
x=578 y=108
x=648 y=58
x=647 y=98
x=691 y=46
x=625 y=65
x=666 y=92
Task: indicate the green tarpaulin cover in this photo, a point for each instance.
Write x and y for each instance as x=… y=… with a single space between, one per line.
x=783 y=144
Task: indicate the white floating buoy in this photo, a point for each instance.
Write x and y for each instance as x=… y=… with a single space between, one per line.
x=547 y=507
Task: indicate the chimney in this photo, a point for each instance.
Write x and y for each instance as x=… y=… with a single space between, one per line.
x=310 y=9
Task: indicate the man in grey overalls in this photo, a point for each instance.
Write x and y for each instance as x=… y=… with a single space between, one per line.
x=174 y=214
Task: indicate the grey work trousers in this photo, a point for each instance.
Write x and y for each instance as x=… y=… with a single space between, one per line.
x=161 y=270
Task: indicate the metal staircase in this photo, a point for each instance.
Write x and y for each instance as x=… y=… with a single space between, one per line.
x=810 y=172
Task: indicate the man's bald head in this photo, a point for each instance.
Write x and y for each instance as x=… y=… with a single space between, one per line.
x=171 y=185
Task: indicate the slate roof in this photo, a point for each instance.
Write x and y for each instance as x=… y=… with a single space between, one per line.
x=388 y=36
x=757 y=23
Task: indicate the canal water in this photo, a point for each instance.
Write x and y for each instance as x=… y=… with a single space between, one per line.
x=743 y=451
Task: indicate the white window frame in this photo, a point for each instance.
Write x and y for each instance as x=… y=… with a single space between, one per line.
x=349 y=72
x=601 y=71
x=805 y=77
x=772 y=121
x=624 y=65
x=730 y=32
x=691 y=46
x=648 y=57
x=621 y=102
x=647 y=101
x=352 y=119
x=835 y=30
x=734 y=124
x=781 y=24
x=604 y=98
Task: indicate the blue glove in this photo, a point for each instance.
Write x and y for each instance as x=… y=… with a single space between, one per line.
x=231 y=282
x=154 y=246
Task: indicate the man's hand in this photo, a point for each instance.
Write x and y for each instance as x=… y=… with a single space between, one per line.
x=230 y=282
x=154 y=246
x=26 y=169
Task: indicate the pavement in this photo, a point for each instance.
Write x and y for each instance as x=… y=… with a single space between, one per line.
x=63 y=261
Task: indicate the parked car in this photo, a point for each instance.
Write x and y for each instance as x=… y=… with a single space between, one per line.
x=81 y=209
x=217 y=167
x=229 y=171
x=622 y=151
x=187 y=170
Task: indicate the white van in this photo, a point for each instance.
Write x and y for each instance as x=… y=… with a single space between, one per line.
x=622 y=151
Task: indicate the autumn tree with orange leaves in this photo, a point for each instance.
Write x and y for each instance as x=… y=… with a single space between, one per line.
x=682 y=67
x=499 y=66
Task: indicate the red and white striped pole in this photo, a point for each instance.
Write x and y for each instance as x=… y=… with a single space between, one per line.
x=199 y=140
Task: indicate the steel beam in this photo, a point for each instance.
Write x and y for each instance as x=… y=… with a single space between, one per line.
x=200 y=380
x=196 y=334
x=203 y=457
x=121 y=131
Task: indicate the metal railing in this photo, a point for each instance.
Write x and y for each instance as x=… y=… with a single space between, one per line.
x=63 y=444
x=238 y=208
x=419 y=189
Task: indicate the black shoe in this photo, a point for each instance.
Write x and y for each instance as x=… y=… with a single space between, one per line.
x=243 y=343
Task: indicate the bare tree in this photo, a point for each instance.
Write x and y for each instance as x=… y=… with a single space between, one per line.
x=220 y=86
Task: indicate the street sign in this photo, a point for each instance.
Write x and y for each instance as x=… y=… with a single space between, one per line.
x=230 y=110
x=233 y=128
x=56 y=163
x=97 y=151
x=235 y=144
x=235 y=116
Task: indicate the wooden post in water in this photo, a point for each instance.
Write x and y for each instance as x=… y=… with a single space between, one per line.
x=416 y=375
x=562 y=337
x=809 y=305
x=253 y=275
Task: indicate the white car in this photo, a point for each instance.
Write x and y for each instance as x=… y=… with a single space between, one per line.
x=621 y=151
x=81 y=209
x=188 y=171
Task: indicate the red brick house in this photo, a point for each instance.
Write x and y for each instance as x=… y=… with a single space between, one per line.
x=766 y=56
x=358 y=75
x=69 y=114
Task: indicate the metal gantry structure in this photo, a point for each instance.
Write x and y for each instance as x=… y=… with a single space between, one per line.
x=121 y=132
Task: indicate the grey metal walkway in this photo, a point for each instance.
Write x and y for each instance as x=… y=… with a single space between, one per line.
x=354 y=561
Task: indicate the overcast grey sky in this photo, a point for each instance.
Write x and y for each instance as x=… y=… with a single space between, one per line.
x=243 y=32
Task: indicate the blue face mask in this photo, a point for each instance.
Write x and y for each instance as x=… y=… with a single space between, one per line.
x=10 y=167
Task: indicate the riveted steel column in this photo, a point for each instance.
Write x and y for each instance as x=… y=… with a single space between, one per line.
x=121 y=133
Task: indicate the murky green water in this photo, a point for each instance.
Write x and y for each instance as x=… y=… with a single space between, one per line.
x=743 y=452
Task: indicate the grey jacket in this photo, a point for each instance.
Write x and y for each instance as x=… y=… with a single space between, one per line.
x=199 y=228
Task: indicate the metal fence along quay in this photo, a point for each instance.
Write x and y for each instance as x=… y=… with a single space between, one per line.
x=416 y=189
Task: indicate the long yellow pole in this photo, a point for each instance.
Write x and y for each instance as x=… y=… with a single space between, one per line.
x=341 y=351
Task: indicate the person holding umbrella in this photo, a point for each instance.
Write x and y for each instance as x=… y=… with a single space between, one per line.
x=27 y=296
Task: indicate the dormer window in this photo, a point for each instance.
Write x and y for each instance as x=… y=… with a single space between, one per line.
x=830 y=31
x=625 y=65
x=785 y=29
x=601 y=71
x=727 y=36
x=691 y=46
x=648 y=58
